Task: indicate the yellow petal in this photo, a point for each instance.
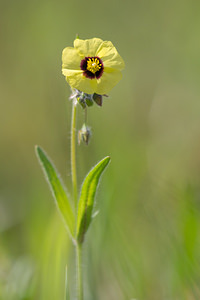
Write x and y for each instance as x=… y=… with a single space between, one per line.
x=110 y=57
x=71 y=59
x=77 y=80
x=87 y=47
x=108 y=80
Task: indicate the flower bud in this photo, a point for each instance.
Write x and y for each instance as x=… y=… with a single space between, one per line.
x=84 y=134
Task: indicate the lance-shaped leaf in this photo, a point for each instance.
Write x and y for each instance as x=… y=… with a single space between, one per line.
x=56 y=186
x=86 y=201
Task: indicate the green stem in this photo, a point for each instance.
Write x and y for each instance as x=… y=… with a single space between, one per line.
x=73 y=152
x=74 y=184
x=79 y=271
x=66 y=286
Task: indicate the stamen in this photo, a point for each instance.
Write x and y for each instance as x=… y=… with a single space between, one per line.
x=93 y=65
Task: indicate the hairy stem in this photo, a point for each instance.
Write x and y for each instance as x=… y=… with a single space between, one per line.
x=79 y=271
x=66 y=286
x=79 y=284
x=73 y=152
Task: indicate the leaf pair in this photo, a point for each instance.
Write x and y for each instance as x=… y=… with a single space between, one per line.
x=87 y=196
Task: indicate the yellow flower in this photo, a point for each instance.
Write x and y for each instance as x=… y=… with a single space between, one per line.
x=92 y=66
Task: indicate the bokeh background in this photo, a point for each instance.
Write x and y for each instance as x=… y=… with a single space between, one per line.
x=145 y=242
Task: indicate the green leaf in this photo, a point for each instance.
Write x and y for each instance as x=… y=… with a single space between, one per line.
x=56 y=186
x=86 y=201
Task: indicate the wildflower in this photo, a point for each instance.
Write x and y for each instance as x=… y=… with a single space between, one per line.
x=92 y=66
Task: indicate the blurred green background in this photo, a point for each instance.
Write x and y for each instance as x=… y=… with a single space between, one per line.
x=145 y=242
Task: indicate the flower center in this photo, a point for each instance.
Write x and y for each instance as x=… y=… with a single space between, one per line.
x=92 y=67
x=93 y=64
